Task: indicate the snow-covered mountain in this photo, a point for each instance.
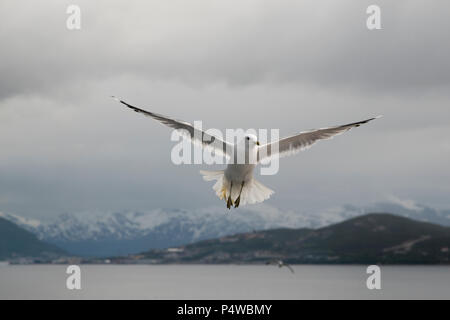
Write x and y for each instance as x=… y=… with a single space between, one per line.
x=120 y=233
x=117 y=233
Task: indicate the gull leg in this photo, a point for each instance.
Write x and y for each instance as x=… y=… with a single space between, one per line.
x=238 y=200
x=229 y=201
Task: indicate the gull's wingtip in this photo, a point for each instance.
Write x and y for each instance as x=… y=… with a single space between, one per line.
x=373 y=118
x=115 y=98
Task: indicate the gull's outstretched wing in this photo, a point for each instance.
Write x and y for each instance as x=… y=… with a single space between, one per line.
x=304 y=140
x=272 y=262
x=289 y=267
x=197 y=136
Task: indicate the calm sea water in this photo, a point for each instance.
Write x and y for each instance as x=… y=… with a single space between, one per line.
x=223 y=282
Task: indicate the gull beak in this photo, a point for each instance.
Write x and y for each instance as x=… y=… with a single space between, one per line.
x=257 y=143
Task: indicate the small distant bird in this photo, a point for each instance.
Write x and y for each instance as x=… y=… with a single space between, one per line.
x=280 y=264
x=236 y=184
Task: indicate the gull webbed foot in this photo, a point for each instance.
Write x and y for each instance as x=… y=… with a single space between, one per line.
x=229 y=202
x=238 y=200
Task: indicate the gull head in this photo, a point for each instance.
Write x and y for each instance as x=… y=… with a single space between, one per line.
x=251 y=140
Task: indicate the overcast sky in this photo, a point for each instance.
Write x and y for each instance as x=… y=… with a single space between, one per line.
x=65 y=146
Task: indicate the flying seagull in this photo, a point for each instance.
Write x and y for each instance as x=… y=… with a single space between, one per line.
x=280 y=264
x=236 y=184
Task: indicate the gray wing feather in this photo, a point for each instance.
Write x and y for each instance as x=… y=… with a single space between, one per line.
x=197 y=136
x=290 y=268
x=304 y=140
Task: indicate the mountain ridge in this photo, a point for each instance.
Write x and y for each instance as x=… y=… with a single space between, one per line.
x=16 y=242
x=376 y=238
x=127 y=232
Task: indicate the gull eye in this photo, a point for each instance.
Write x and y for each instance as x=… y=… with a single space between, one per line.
x=247 y=138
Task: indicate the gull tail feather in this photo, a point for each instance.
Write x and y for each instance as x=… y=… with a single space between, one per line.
x=220 y=185
x=211 y=175
x=252 y=192
x=255 y=192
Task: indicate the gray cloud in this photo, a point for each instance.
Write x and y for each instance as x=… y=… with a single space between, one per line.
x=282 y=64
x=324 y=44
